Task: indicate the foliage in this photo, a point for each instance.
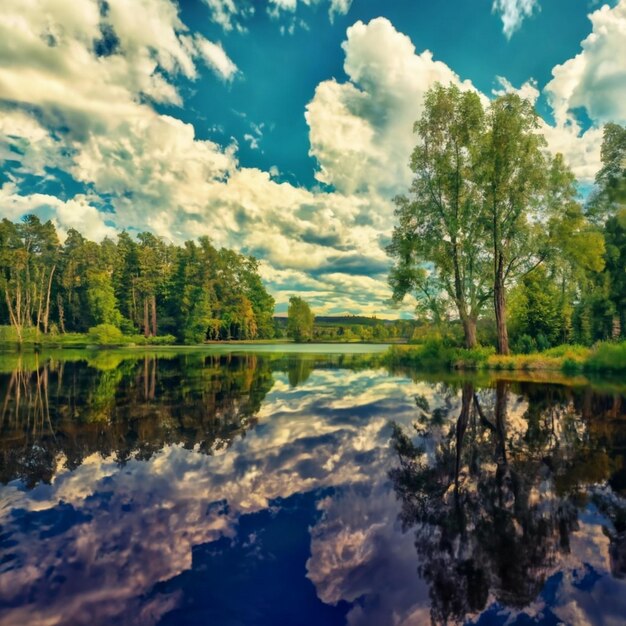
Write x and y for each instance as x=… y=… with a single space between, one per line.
x=434 y=243
x=143 y=285
x=106 y=335
x=300 y=320
x=609 y=357
x=488 y=210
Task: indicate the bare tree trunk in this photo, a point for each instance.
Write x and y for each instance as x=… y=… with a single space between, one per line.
x=154 y=315
x=616 y=330
x=39 y=299
x=61 y=313
x=14 y=314
x=146 y=324
x=499 y=297
x=46 y=317
x=133 y=313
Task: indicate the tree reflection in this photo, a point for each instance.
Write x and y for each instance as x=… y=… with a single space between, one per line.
x=493 y=495
x=56 y=413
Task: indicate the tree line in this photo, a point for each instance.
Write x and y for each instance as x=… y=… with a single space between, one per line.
x=493 y=228
x=141 y=285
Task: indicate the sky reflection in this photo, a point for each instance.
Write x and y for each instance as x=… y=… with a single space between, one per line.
x=294 y=521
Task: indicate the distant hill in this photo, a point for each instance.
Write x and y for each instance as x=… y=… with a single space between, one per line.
x=342 y=320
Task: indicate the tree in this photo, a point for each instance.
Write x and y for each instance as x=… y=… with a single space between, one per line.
x=28 y=260
x=437 y=240
x=195 y=291
x=610 y=195
x=513 y=182
x=300 y=320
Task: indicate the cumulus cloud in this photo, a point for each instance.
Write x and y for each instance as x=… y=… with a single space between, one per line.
x=78 y=90
x=357 y=126
x=595 y=79
x=513 y=13
x=528 y=91
x=78 y=212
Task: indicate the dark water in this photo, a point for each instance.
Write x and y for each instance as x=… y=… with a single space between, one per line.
x=305 y=489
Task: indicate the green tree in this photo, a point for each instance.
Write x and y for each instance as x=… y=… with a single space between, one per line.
x=300 y=320
x=436 y=243
x=610 y=195
x=28 y=261
x=513 y=183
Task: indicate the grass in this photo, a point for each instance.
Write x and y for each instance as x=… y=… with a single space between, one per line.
x=433 y=354
x=103 y=335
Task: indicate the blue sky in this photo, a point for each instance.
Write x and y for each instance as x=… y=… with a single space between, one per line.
x=281 y=128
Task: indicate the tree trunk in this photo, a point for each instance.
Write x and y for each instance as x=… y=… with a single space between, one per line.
x=13 y=315
x=469 y=329
x=61 y=313
x=499 y=298
x=616 y=329
x=47 y=313
x=146 y=322
x=154 y=316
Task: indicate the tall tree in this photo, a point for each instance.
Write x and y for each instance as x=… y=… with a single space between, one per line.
x=513 y=183
x=300 y=320
x=437 y=241
x=29 y=259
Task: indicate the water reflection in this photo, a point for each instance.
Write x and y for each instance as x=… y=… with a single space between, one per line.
x=57 y=411
x=192 y=488
x=495 y=496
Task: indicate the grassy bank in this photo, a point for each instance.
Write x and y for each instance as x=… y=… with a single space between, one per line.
x=103 y=335
x=603 y=357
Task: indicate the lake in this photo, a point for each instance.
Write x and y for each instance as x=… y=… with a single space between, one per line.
x=275 y=486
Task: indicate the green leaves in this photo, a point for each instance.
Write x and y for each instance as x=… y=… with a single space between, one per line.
x=300 y=320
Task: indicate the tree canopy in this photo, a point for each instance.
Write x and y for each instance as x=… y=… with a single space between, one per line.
x=488 y=207
x=300 y=320
x=139 y=285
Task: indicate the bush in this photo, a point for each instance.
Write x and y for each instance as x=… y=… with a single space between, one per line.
x=607 y=357
x=106 y=335
x=525 y=345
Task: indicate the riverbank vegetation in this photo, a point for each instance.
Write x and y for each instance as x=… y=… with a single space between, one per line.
x=139 y=290
x=498 y=247
x=434 y=354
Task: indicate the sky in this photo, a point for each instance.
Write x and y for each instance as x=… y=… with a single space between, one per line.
x=280 y=128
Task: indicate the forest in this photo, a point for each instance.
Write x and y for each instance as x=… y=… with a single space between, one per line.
x=142 y=288
x=495 y=239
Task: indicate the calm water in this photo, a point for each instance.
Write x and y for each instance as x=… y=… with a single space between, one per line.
x=273 y=488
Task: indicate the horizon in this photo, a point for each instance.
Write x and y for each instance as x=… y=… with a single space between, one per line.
x=172 y=118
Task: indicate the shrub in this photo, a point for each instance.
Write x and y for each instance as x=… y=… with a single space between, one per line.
x=106 y=335
x=608 y=357
x=474 y=358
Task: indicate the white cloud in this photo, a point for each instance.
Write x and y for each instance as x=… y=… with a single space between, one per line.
x=217 y=59
x=336 y=7
x=93 y=117
x=528 y=91
x=360 y=130
x=76 y=212
x=513 y=13
x=339 y=7
x=595 y=79
x=228 y=15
